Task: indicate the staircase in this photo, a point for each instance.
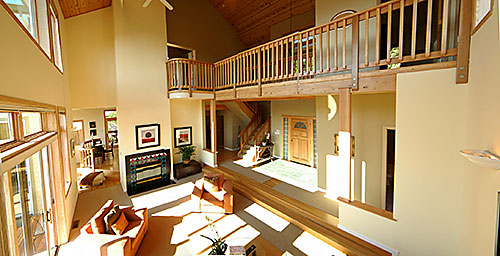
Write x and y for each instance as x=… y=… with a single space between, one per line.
x=255 y=131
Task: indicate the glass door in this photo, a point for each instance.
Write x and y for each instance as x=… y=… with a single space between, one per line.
x=30 y=208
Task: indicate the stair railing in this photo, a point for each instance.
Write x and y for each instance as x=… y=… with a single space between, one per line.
x=247 y=133
x=261 y=133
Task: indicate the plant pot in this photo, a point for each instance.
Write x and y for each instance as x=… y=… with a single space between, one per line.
x=186 y=162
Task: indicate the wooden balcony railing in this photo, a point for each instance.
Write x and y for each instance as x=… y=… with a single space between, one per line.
x=377 y=38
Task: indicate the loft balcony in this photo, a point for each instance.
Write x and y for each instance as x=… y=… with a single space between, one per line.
x=364 y=51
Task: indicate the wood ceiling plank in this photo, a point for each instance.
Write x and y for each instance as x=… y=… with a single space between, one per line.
x=73 y=8
x=252 y=19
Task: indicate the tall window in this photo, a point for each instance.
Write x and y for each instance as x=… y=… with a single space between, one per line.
x=56 y=41
x=25 y=13
x=6 y=131
x=39 y=19
x=32 y=123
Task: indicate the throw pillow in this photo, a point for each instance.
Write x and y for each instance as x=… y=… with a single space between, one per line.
x=120 y=225
x=111 y=218
x=211 y=184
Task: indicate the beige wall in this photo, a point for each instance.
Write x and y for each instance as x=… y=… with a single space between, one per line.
x=26 y=73
x=370 y=113
x=197 y=24
x=141 y=92
x=91 y=59
x=178 y=111
x=328 y=125
x=89 y=115
x=279 y=108
x=232 y=126
x=442 y=200
x=298 y=21
x=325 y=9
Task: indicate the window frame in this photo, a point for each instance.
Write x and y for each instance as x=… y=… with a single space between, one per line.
x=50 y=4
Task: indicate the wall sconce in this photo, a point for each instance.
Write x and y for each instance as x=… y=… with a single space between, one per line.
x=336 y=145
x=482 y=158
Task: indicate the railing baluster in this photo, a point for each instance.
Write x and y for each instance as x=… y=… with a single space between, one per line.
x=292 y=61
x=276 y=58
x=377 y=39
x=401 y=27
x=414 y=30
x=428 y=30
x=328 y=48
x=300 y=56
x=335 y=47
x=444 y=31
x=344 y=28
x=307 y=54
x=367 y=37
x=321 y=50
x=389 y=32
x=355 y=52
x=268 y=60
x=313 y=49
x=282 y=59
x=259 y=72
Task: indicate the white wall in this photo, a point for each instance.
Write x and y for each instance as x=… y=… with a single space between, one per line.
x=89 y=115
x=185 y=113
x=444 y=204
x=140 y=39
x=91 y=59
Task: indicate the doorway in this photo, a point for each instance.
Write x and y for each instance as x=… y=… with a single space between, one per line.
x=78 y=132
x=388 y=161
x=220 y=131
x=111 y=128
x=34 y=229
x=300 y=140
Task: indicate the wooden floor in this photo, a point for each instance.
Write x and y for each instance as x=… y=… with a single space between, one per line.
x=111 y=169
x=320 y=224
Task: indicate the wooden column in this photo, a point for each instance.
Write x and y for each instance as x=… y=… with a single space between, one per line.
x=213 y=128
x=355 y=53
x=344 y=141
x=464 y=34
x=4 y=238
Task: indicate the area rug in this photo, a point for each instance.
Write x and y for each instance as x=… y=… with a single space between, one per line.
x=295 y=174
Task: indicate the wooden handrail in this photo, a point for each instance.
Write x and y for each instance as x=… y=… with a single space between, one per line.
x=323 y=50
x=260 y=133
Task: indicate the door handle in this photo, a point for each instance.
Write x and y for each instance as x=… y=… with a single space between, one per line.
x=49 y=216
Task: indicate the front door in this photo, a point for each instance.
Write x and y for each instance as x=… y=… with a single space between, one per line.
x=300 y=140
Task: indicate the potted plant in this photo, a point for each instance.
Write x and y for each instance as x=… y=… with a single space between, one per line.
x=186 y=152
x=219 y=246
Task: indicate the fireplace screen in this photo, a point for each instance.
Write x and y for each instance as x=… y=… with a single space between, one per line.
x=146 y=171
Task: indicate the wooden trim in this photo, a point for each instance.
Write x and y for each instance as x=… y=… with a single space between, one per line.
x=213 y=125
x=355 y=52
x=485 y=18
x=464 y=37
x=345 y=110
x=26 y=145
x=368 y=208
x=25 y=103
x=184 y=48
x=383 y=180
x=318 y=223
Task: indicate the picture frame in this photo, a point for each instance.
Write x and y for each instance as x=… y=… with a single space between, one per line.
x=147 y=136
x=183 y=136
x=92 y=125
x=482 y=11
x=93 y=132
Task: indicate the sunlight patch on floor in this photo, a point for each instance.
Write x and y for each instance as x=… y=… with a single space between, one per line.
x=272 y=220
x=298 y=175
x=312 y=246
x=163 y=196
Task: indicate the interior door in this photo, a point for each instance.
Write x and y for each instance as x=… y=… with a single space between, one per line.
x=300 y=140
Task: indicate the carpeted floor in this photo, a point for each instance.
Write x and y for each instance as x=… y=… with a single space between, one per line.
x=173 y=230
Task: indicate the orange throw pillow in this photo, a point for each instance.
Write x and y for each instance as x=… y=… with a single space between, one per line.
x=120 y=225
x=211 y=184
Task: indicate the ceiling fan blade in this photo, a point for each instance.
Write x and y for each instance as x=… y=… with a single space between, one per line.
x=167 y=4
x=146 y=3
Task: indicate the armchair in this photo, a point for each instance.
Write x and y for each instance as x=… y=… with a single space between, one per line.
x=220 y=201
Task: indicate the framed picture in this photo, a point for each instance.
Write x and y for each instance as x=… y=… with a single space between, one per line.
x=183 y=136
x=147 y=135
x=92 y=125
x=482 y=10
x=93 y=132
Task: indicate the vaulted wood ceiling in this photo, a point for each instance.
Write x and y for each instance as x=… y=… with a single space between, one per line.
x=252 y=19
x=71 y=8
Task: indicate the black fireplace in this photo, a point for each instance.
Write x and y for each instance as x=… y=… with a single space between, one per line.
x=148 y=170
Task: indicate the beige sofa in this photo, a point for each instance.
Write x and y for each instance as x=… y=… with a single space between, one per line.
x=126 y=244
